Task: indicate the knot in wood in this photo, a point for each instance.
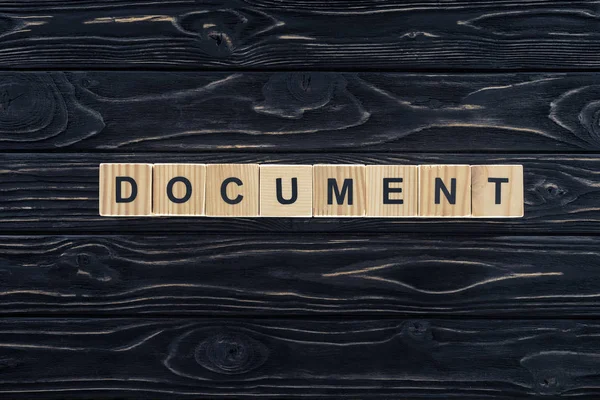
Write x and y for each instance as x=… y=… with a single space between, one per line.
x=231 y=353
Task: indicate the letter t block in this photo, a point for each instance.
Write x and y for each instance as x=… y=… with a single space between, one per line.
x=339 y=190
x=497 y=191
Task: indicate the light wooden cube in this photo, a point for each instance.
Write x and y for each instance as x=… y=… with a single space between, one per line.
x=392 y=191
x=497 y=190
x=179 y=189
x=232 y=190
x=444 y=190
x=339 y=190
x=125 y=190
x=286 y=190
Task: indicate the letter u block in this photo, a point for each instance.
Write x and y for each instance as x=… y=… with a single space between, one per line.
x=179 y=189
x=125 y=190
x=286 y=190
x=339 y=190
x=232 y=190
x=444 y=190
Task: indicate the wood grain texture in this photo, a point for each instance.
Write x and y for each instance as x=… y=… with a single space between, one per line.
x=339 y=190
x=299 y=111
x=497 y=198
x=433 y=201
x=292 y=34
x=59 y=193
x=113 y=193
x=246 y=358
x=392 y=198
x=277 y=276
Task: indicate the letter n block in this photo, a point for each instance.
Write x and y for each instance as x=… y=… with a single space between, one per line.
x=444 y=190
x=497 y=190
x=232 y=190
x=125 y=190
x=286 y=190
x=392 y=191
x=339 y=190
x=179 y=189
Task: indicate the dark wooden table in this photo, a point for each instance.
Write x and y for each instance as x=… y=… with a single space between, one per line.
x=101 y=308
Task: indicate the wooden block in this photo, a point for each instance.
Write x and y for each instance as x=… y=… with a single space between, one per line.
x=125 y=190
x=286 y=190
x=178 y=189
x=232 y=190
x=392 y=190
x=444 y=190
x=497 y=190
x=339 y=190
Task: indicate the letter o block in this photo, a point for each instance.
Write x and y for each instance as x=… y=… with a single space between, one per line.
x=179 y=189
x=125 y=190
x=339 y=190
x=286 y=190
x=232 y=190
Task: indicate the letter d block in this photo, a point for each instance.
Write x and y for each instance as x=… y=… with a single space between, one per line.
x=125 y=190
x=179 y=189
x=339 y=190
x=232 y=190
x=444 y=190
x=497 y=190
x=286 y=190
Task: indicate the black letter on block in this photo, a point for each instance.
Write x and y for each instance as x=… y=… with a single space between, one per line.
x=439 y=186
x=226 y=199
x=131 y=181
x=188 y=189
x=387 y=190
x=339 y=197
x=294 y=197
x=498 y=182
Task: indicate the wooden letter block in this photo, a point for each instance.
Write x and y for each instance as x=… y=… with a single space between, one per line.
x=392 y=191
x=232 y=190
x=286 y=190
x=444 y=190
x=125 y=190
x=179 y=189
x=497 y=190
x=339 y=190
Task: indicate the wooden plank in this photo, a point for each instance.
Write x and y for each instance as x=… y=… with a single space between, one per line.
x=245 y=358
x=266 y=34
x=307 y=111
x=275 y=275
x=59 y=193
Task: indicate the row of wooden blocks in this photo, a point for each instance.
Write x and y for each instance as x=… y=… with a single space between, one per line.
x=252 y=190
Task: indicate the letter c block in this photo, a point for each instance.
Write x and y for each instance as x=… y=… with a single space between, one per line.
x=232 y=190
x=125 y=190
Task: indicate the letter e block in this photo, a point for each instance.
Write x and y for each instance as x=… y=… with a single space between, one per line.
x=179 y=189
x=232 y=190
x=392 y=191
x=339 y=190
x=286 y=190
x=497 y=190
x=444 y=190
x=125 y=190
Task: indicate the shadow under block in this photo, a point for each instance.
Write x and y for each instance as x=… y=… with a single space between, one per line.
x=392 y=190
x=125 y=190
x=232 y=190
x=178 y=189
x=444 y=190
x=497 y=191
x=339 y=190
x=286 y=190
